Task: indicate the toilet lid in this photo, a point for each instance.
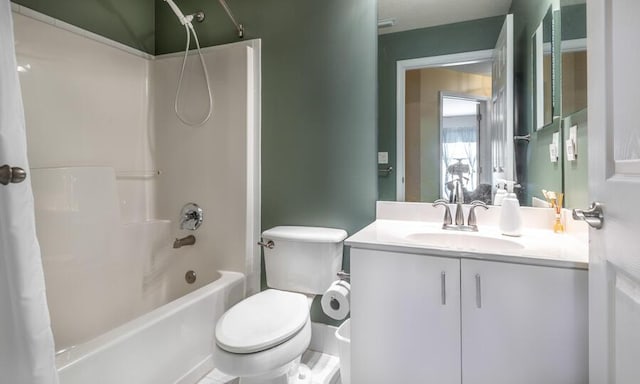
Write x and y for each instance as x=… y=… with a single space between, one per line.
x=262 y=321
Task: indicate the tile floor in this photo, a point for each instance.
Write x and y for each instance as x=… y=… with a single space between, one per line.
x=324 y=370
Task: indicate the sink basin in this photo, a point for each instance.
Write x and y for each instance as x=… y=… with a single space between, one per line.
x=464 y=241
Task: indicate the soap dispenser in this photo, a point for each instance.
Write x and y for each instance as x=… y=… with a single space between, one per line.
x=500 y=192
x=510 y=216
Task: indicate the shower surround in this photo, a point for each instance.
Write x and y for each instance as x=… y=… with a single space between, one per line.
x=112 y=166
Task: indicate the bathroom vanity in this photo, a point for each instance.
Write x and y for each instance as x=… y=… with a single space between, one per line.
x=435 y=306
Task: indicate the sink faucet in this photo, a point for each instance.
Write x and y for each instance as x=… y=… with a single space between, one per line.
x=472 y=224
x=471 y=220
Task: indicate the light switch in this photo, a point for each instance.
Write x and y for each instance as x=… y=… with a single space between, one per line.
x=571 y=150
x=573 y=136
x=553 y=153
x=553 y=147
x=383 y=157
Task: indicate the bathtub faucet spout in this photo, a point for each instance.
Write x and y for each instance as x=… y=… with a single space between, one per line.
x=189 y=240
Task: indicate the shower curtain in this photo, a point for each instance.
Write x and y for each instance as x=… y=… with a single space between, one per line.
x=26 y=340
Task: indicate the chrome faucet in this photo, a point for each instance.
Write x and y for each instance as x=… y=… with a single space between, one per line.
x=446 y=220
x=472 y=224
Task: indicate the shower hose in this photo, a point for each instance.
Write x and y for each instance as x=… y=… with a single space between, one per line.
x=189 y=29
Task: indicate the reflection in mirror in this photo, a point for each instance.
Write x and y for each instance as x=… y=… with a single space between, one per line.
x=574 y=58
x=432 y=29
x=446 y=138
x=463 y=167
x=574 y=101
x=542 y=47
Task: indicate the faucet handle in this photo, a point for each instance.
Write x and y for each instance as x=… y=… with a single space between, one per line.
x=471 y=220
x=447 y=212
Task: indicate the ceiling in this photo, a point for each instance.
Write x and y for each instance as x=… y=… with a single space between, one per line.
x=413 y=14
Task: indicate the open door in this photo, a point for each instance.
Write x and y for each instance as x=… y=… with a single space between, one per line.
x=502 y=106
x=614 y=181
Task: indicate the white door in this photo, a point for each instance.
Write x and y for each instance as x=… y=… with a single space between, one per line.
x=502 y=105
x=614 y=180
x=405 y=318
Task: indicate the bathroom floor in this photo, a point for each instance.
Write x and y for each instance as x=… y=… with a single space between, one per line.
x=324 y=369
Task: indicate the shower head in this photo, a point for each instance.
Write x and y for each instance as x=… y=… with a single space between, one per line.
x=183 y=19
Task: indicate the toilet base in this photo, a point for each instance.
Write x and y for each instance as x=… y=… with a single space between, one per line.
x=292 y=373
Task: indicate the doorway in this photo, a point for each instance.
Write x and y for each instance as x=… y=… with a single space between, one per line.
x=421 y=86
x=463 y=147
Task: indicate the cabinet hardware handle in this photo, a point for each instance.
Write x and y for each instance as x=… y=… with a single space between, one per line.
x=443 y=287
x=478 y=291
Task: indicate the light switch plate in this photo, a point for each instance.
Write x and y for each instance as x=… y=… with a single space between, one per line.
x=383 y=157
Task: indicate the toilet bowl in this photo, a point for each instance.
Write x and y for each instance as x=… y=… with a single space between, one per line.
x=261 y=339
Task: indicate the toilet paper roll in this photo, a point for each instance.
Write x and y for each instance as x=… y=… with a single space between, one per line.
x=335 y=301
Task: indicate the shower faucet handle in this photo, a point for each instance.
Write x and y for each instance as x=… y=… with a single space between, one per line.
x=191 y=217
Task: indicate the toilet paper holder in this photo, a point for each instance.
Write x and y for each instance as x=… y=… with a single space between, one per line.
x=346 y=276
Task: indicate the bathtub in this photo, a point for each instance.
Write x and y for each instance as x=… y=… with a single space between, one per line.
x=171 y=344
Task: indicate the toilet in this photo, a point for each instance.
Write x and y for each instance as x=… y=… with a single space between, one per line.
x=261 y=339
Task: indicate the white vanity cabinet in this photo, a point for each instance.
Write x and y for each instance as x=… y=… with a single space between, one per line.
x=405 y=311
x=502 y=323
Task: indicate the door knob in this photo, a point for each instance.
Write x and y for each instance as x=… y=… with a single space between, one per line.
x=11 y=175
x=593 y=216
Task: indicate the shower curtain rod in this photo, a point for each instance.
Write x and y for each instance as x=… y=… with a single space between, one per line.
x=239 y=27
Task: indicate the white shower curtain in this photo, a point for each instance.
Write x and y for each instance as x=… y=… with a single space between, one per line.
x=26 y=341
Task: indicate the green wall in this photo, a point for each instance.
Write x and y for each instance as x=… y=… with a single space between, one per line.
x=130 y=22
x=534 y=169
x=467 y=36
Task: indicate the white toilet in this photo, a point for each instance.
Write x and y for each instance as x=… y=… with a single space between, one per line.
x=262 y=338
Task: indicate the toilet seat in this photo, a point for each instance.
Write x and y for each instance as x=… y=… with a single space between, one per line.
x=262 y=321
x=252 y=364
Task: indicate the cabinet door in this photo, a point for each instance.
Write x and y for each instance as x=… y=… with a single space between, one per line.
x=523 y=324
x=405 y=318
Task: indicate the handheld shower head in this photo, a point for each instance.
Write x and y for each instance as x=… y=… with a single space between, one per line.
x=183 y=19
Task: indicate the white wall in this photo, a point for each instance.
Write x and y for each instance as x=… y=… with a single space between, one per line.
x=210 y=165
x=86 y=103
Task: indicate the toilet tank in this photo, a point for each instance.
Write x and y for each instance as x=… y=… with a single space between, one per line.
x=303 y=259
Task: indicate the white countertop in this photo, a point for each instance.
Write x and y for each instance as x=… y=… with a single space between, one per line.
x=535 y=247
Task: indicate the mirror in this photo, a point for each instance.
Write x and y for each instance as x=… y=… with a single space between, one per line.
x=542 y=63
x=573 y=47
x=574 y=101
x=407 y=35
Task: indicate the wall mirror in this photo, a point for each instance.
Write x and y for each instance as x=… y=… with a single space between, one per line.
x=421 y=153
x=573 y=47
x=542 y=44
x=574 y=100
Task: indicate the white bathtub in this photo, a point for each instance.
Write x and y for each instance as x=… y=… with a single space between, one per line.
x=171 y=344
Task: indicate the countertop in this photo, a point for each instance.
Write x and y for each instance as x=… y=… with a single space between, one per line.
x=535 y=247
